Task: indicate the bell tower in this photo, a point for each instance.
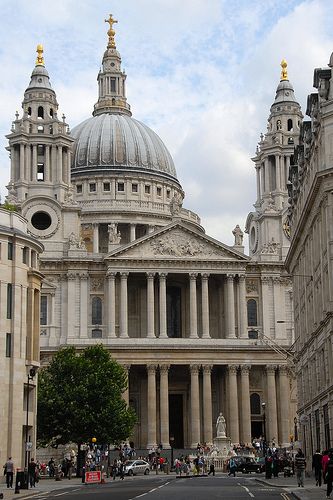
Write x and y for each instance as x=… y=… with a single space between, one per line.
x=40 y=149
x=39 y=143
x=267 y=226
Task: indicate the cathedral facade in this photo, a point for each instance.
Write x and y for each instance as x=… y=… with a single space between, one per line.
x=201 y=327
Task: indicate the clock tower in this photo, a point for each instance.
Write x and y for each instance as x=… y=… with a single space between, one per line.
x=267 y=226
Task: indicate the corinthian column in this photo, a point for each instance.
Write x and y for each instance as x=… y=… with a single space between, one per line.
x=83 y=304
x=123 y=306
x=164 y=405
x=163 y=320
x=95 y=238
x=233 y=404
x=271 y=403
x=242 y=308
x=207 y=404
x=111 y=280
x=193 y=306
x=246 y=408
x=151 y=370
x=195 y=406
x=284 y=409
x=230 y=307
x=150 y=306
x=205 y=306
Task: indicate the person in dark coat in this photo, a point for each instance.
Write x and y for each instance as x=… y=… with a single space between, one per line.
x=329 y=473
x=317 y=467
x=300 y=465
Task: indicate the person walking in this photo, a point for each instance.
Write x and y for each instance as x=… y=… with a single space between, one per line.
x=300 y=464
x=329 y=473
x=317 y=467
x=32 y=473
x=9 y=472
x=232 y=467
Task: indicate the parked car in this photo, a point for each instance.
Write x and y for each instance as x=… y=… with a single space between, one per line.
x=133 y=467
x=250 y=464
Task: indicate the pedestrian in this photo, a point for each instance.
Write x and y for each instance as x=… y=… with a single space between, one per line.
x=275 y=465
x=51 y=466
x=9 y=472
x=114 y=469
x=211 y=469
x=32 y=473
x=300 y=464
x=329 y=473
x=324 y=463
x=232 y=467
x=268 y=464
x=122 y=470
x=317 y=467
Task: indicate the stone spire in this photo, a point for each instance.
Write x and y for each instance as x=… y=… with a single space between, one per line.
x=111 y=79
x=269 y=237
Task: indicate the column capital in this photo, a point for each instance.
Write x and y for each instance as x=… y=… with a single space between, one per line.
x=151 y=368
x=71 y=275
x=265 y=280
x=271 y=369
x=84 y=276
x=245 y=369
x=232 y=368
x=230 y=278
x=162 y=276
x=194 y=369
x=204 y=276
x=283 y=370
x=164 y=368
x=193 y=276
x=124 y=275
x=207 y=369
x=242 y=277
x=111 y=275
x=150 y=275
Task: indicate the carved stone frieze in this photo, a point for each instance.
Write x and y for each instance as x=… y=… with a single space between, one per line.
x=97 y=284
x=251 y=286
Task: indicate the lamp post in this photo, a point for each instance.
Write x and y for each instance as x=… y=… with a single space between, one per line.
x=31 y=376
x=172 y=439
x=263 y=405
x=295 y=429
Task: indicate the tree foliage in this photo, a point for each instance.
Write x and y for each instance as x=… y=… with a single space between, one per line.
x=80 y=397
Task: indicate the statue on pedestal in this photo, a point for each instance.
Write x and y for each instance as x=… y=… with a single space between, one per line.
x=220 y=426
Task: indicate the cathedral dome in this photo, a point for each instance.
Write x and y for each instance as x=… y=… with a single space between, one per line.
x=116 y=141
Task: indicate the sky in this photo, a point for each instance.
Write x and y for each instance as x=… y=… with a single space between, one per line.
x=201 y=73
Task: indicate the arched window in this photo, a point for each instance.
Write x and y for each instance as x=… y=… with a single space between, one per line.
x=252 y=316
x=255 y=404
x=29 y=111
x=40 y=112
x=51 y=112
x=96 y=311
x=290 y=124
x=40 y=129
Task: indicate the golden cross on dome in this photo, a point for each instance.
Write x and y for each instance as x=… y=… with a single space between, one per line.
x=111 y=32
x=40 y=58
x=284 y=72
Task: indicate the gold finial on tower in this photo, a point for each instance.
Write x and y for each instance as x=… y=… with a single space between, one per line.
x=284 y=72
x=40 y=58
x=111 y=32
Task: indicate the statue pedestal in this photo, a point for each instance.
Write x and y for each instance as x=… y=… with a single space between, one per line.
x=223 y=444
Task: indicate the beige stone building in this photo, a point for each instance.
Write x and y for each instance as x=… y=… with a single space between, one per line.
x=201 y=327
x=310 y=263
x=20 y=283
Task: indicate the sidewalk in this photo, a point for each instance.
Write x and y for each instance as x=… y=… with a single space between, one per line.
x=309 y=492
x=44 y=486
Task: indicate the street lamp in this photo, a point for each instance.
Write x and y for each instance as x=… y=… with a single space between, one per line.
x=263 y=405
x=172 y=439
x=295 y=429
x=31 y=376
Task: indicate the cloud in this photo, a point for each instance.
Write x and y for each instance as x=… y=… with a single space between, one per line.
x=202 y=74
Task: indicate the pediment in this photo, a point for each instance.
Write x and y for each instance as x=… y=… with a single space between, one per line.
x=177 y=241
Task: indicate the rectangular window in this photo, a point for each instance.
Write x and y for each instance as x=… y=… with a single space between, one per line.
x=159 y=191
x=121 y=186
x=147 y=189
x=40 y=149
x=79 y=188
x=92 y=187
x=25 y=255
x=168 y=193
x=327 y=427
x=10 y=250
x=134 y=188
x=43 y=310
x=40 y=171
x=8 y=345
x=106 y=186
x=113 y=84
x=9 y=300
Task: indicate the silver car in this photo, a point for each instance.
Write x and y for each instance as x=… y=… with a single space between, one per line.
x=133 y=467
